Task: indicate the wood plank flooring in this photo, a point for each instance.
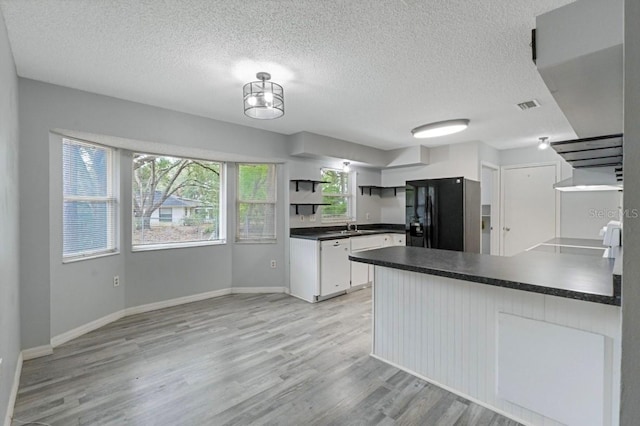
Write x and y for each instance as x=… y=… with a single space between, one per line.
x=236 y=360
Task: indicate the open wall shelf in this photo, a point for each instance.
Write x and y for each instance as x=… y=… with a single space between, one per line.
x=380 y=189
x=313 y=206
x=312 y=182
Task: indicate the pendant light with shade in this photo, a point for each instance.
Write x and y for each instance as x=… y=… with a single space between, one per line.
x=263 y=99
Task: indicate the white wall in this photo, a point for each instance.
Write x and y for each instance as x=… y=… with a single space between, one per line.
x=58 y=297
x=9 y=221
x=445 y=161
x=579 y=211
x=630 y=410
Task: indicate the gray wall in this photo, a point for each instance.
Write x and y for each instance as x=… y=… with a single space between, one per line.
x=80 y=291
x=58 y=297
x=9 y=222
x=306 y=168
x=630 y=409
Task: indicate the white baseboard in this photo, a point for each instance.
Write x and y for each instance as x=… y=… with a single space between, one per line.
x=36 y=352
x=175 y=302
x=452 y=390
x=243 y=290
x=14 y=392
x=100 y=322
x=86 y=328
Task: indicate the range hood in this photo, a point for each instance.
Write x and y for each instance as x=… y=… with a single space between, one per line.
x=590 y=180
x=597 y=163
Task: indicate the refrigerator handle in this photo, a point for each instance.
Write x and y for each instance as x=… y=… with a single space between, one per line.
x=435 y=243
x=428 y=221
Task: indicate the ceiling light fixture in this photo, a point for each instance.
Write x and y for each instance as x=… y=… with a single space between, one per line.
x=263 y=99
x=544 y=143
x=441 y=128
x=346 y=167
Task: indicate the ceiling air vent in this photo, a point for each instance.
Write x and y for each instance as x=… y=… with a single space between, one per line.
x=528 y=105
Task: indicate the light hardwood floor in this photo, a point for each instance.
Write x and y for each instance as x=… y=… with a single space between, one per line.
x=236 y=360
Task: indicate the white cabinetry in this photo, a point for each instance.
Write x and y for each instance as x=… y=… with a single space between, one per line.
x=320 y=269
x=334 y=266
x=398 y=239
x=361 y=273
x=394 y=240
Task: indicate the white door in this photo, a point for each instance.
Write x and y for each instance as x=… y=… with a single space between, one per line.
x=490 y=205
x=529 y=207
x=335 y=273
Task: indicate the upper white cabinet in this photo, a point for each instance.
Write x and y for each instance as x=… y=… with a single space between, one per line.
x=578 y=50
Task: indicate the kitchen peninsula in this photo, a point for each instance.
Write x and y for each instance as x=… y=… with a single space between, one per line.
x=535 y=336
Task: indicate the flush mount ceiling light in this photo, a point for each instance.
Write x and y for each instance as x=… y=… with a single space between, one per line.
x=263 y=99
x=441 y=128
x=544 y=143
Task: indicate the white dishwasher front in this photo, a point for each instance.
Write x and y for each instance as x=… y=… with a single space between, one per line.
x=334 y=266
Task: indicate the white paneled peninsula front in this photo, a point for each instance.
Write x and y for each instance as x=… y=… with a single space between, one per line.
x=535 y=336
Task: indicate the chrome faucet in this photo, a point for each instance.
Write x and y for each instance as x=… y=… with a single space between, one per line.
x=352 y=226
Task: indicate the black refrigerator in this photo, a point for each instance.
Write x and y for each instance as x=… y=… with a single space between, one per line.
x=444 y=214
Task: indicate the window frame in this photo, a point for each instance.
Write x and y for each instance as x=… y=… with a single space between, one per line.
x=222 y=215
x=351 y=210
x=274 y=202
x=111 y=200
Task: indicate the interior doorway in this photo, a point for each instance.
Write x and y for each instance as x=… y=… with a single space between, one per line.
x=529 y=206
x=489 y=200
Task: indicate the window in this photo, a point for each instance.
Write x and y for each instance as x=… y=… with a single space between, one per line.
x=176 y=202
x=256 y=202
x=89 y=204
x=337 y=193
x=166 y=214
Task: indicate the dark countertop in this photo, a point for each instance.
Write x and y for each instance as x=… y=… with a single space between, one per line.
x=582 y=277
x=322 y=233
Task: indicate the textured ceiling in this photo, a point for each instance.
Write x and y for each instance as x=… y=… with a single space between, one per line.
x=366 y=71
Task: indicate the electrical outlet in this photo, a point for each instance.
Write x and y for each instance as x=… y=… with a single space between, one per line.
x=368 y=216
x=301 y=218
x=116 y=281
x=312 y=218
x=274 y=264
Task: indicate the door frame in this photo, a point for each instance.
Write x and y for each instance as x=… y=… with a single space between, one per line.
x=496 y=210
x=558 y=168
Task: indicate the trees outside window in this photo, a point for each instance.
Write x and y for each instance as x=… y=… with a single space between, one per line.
x=337 y=193
x=176 y=201
x=256 y=202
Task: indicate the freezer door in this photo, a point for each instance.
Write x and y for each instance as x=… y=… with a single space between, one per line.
x=448 y=211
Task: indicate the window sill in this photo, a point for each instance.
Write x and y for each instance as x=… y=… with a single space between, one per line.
x=153 y=247
x=274 y=241
x=88 y=257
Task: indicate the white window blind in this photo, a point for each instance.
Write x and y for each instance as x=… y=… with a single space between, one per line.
x=176 y=202
x=256 y=202
x=89 y=204
x=337 y=193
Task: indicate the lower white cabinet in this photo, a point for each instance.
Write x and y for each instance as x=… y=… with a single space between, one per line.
x=322 y=268
x=362 y=273
x=398 y=239
x=334 y=266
